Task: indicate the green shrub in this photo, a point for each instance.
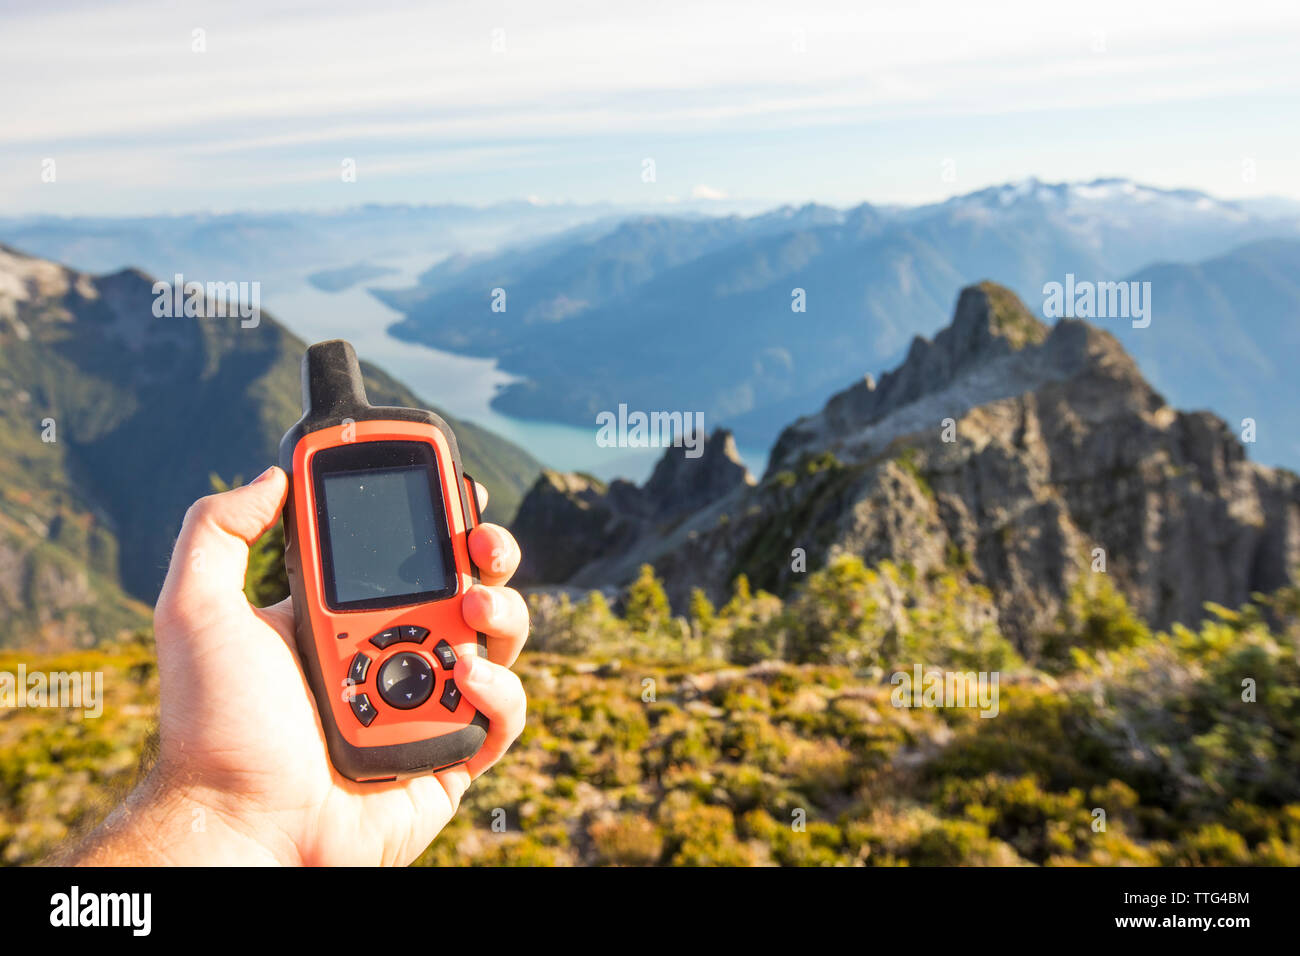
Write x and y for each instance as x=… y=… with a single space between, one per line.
x=626 y=841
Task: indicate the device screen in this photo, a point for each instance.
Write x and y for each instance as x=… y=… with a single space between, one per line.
x=382 y=535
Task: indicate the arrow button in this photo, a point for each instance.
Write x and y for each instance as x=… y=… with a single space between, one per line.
x=404 y=680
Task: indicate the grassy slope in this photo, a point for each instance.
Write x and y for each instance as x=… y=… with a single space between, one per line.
x=644 y=747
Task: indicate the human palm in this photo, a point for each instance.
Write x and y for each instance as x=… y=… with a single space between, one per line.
x=243 y=772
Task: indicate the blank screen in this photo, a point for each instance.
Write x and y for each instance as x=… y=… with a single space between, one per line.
x=383 y=534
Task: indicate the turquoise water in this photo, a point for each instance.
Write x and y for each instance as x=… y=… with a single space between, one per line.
x=461 y=386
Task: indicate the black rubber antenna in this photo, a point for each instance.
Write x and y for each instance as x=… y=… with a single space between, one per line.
x=331 y=380
x=333 y=392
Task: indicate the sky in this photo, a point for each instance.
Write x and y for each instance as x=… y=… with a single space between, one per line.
x=138 y=108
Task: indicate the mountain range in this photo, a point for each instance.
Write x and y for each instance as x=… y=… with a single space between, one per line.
x=113 y=420
x=688 y=313
x=1023 y=457
x=271 y=245
x=1226 y=336
x=689 y=307
x=670 y=313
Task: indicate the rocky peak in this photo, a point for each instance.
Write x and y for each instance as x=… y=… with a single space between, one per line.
x=568 y=520
x=987 y=316
x=681 y=483
x=989 y=323
x=994 y=348
x=1011 y=455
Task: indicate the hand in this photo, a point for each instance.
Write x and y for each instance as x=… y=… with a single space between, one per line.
x=243 y=775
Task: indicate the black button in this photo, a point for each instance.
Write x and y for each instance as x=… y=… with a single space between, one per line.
x=450 y=695
x=405 y=681
x=386 y=638
x=358 y=668
x=363 y=709
x=411 y=634
x=446 y=656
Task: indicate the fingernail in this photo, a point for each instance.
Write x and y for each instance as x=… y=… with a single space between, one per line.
x=263 y=476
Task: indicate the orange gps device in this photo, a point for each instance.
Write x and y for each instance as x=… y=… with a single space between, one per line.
x=376 y=529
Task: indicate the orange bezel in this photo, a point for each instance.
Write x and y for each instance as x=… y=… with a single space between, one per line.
x=339 y=635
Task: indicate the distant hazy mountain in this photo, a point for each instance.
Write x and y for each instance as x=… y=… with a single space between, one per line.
x=345 y=277
x=689 y=311
x=1225 y=335
x=112 y=421
x=252 y=245
x=670 y=314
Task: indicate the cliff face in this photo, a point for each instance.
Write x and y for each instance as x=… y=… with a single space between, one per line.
x=1020 y=455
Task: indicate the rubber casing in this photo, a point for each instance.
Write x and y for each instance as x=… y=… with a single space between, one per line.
x=397 y=744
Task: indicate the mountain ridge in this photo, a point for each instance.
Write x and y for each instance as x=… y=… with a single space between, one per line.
x=585 y=330
x=112 y=421
x=1013 y=470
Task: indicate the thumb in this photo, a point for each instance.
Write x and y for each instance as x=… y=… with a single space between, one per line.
x=206 y=575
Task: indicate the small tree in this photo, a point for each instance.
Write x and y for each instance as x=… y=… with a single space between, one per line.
x=704 y=621
x=703 y=617
x=836 y=616
x=646 y=608
x=738 y=606
x=1094 y=617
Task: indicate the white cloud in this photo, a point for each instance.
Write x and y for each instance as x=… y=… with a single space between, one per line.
x=129 y=69
x=707 y=192
x=286 y=86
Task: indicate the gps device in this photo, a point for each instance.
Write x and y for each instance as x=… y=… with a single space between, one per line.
x=376 y=529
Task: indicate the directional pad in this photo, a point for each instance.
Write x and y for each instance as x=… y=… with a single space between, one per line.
x=405 y=681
